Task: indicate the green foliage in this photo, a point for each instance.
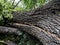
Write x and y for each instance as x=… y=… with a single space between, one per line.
x=27 y=40
x=23 y=39
x=40 y=2
x=31 y=4
x=5 y=12
x=19 y=9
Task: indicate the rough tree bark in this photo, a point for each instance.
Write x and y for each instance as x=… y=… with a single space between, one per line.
x=43 y=23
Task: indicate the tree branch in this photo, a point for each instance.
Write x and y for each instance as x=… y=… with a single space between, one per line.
x=9 y=30
x=43 y=35
x=13 y=2
x=16 y=4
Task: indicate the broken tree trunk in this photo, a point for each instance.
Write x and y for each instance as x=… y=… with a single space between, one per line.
x=45 y=18
x=43 y=23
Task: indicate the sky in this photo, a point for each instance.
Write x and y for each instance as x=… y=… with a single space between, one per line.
x=16 y=0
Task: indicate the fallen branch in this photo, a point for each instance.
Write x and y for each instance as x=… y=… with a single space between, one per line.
x=46 y=37
x=9 y=30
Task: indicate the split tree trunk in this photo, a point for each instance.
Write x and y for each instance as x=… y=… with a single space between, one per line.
x=43 y=23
